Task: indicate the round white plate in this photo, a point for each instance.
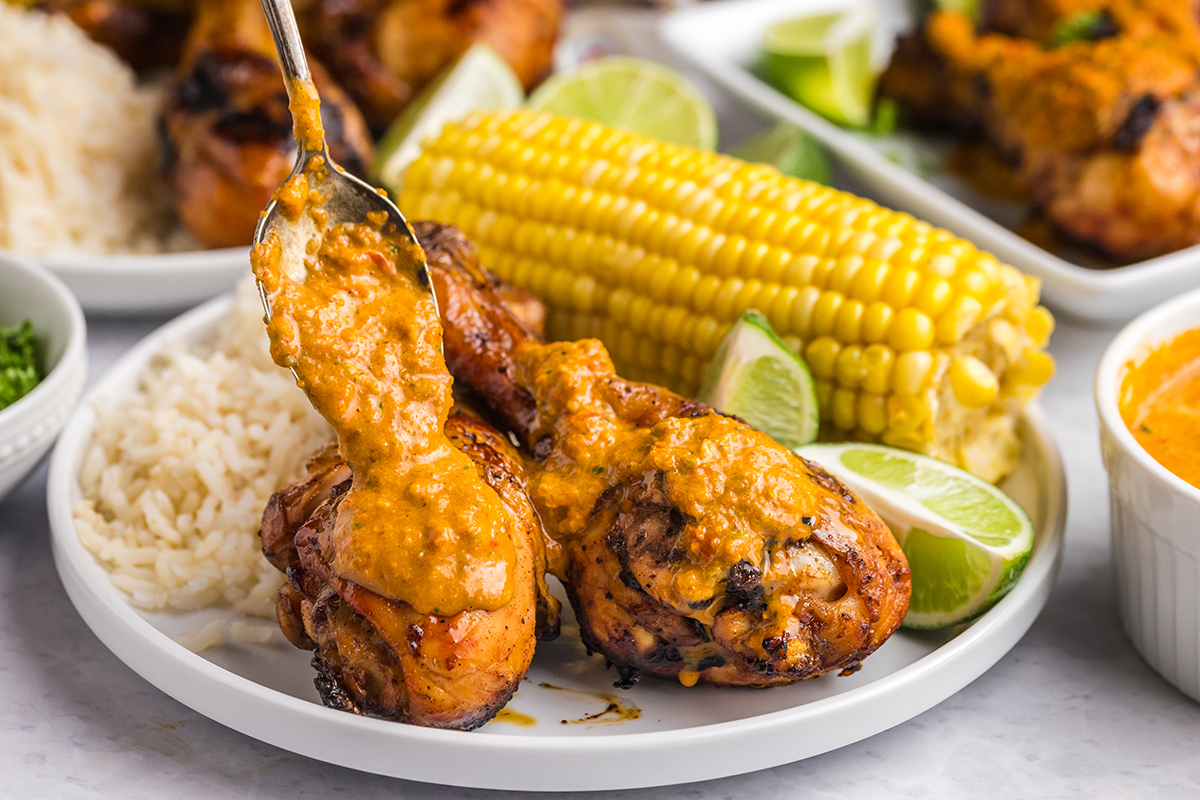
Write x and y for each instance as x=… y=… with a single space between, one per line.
x=148 y=284
x=681 y=735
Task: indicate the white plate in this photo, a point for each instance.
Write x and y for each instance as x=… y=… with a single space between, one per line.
x=148 y=284
x=722 y=39
x=682 y=734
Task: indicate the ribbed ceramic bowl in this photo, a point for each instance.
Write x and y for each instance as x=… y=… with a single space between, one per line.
x=1155 y=514
x=28 y=427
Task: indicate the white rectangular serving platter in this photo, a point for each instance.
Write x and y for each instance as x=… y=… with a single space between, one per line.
x=722 y=39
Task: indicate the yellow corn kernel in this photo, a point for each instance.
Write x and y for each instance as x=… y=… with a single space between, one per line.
x=849 y=369
x=744 y=299
x=704 y=296
x=869 y=281
x=934 y=296
x=871 y=413
x=800 y=271
x=802 y=312
x=1035 y=369
x=877 y=322
x=1004 y=337
x=958 y=319
x=821 y=355
x=973 y=383
x=780 y=310
x=825 y=312
x=911 y=330
x=911 y=374
x=841 y=277
x=845 y=405
x=774 y=264
x=725 y=303
x=878 y=361
x=847 y=327
x=907 y=412
x=900 y=287
x=1039 y=325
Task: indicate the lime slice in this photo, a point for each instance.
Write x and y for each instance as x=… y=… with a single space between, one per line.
x=635 y=95
x=789 y=149
x=478 y=80
x=757 y=377
x=824 y=63
x=966 y=541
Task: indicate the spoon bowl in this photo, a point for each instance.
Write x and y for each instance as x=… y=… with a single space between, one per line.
x=318 y=195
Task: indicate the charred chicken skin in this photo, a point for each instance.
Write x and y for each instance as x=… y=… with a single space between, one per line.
x=226 y=129
x=1103 y=132
x=691 y=546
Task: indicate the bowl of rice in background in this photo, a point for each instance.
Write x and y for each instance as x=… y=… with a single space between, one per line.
x=79 y=190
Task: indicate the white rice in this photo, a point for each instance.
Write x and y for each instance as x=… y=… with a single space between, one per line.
x=79 y=147
x=177 y=473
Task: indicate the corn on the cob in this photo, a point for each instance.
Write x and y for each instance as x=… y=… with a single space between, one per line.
x=915 y=337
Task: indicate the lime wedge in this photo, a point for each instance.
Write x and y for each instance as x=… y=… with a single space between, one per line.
x=478 y=80
x=789 y=149
x=635 y=95
x=824 y=63
x=757 y=377
x=966 y=541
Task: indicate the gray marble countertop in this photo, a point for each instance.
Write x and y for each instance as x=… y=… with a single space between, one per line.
x=1071 y=711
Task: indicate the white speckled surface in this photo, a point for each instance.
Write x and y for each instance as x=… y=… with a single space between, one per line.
x=1070 y=712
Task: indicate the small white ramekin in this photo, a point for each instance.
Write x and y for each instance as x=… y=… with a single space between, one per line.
x=28 y=427
x=1155 y=514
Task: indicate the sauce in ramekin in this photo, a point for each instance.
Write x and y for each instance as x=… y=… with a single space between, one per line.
x=1160 y=403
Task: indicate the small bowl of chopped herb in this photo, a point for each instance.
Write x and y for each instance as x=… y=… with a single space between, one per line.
x=43 y=363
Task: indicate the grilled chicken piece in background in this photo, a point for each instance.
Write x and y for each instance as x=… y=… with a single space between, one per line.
x=145 y=35
x=227 y=131
x=691 y=546
x=384 y=51
x=374 y=655
x=1037 y=19
x=1105 y=133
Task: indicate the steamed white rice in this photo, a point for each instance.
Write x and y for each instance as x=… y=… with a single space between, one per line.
x=79 y=148
x=177 y=473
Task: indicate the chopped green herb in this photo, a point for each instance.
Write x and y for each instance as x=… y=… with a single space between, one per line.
x=1144 y=428
x=20 y=369
x=597 y=470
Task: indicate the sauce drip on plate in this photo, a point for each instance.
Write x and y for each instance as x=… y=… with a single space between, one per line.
x=1160 y=403
x=419 y=524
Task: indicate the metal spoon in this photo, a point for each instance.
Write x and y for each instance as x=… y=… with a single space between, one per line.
x=342 y=198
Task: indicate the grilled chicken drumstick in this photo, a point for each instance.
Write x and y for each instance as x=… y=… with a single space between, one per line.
x=377 y=656
x=691 y=545
x=416 y=565
x=226 y=128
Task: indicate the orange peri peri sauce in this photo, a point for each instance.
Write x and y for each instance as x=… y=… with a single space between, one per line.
x=1160 y=403
x=419 y=524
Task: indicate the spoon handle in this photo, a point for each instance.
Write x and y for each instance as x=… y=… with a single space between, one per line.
x=287 y=41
